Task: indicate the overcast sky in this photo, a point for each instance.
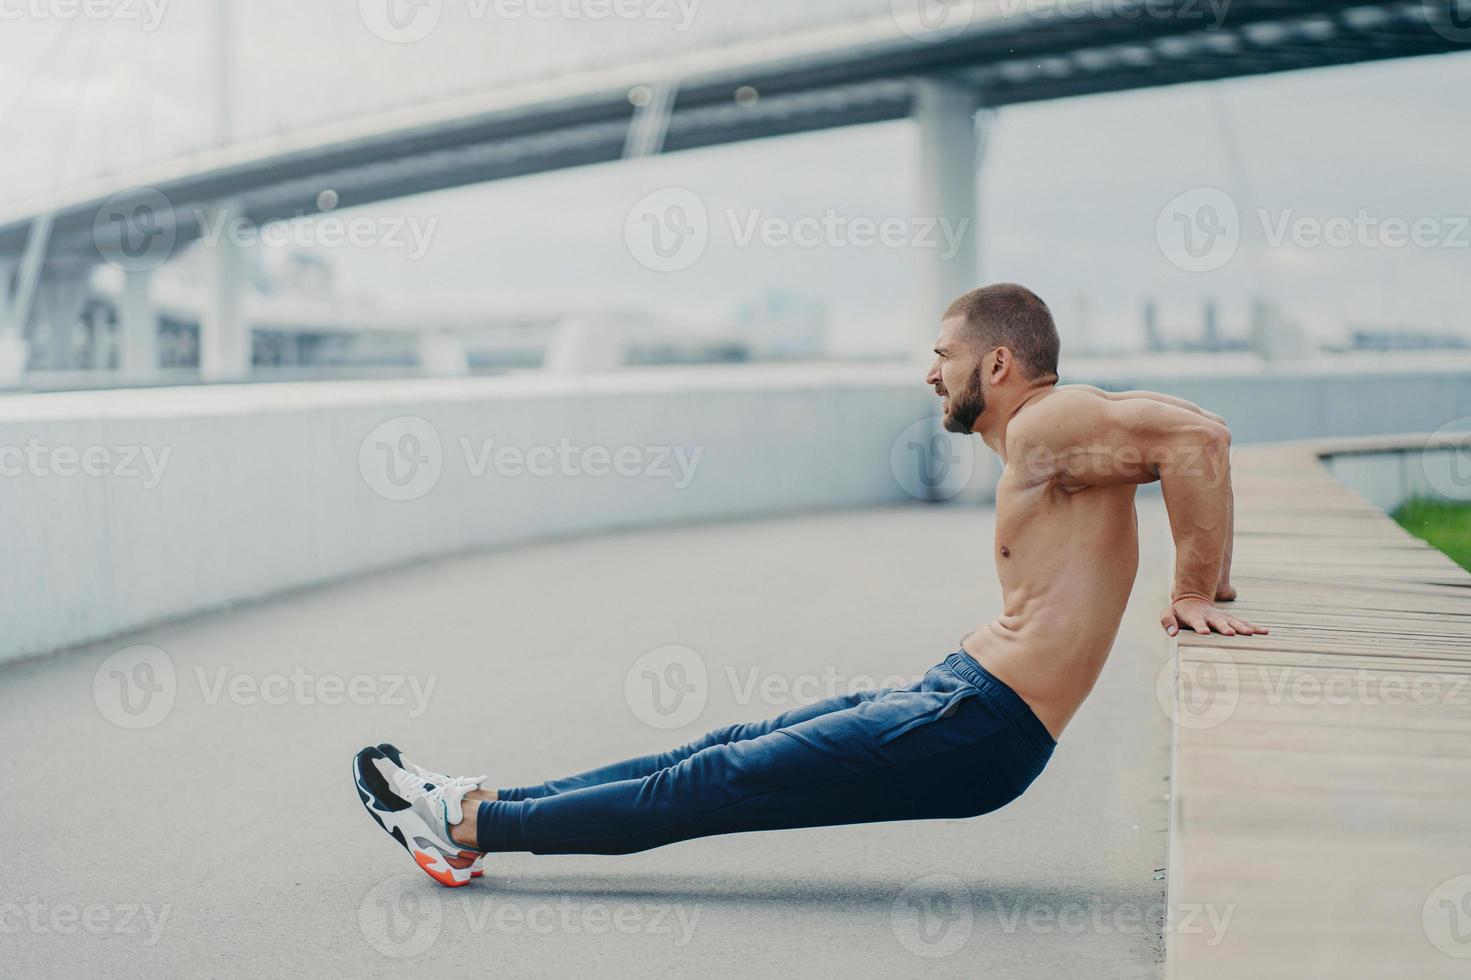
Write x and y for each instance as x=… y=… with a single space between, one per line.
x=1071 y=191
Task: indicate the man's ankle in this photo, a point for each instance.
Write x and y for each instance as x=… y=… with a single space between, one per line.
x=464 y=832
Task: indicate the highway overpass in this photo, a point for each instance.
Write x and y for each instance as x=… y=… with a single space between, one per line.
x=981 y=54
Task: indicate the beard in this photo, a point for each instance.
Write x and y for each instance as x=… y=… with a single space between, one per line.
x=966 y=406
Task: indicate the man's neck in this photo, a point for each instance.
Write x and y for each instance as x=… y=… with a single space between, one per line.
x=994 y=422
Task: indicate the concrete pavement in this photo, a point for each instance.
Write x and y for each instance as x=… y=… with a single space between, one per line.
x=211 y=829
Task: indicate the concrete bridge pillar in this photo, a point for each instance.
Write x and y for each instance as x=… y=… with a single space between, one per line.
x=57 y=314
x=224 y=335
x=137 y=325
x=16 y=298
x=949 y=156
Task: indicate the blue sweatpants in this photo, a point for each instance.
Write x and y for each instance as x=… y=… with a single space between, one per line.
x=958 y=743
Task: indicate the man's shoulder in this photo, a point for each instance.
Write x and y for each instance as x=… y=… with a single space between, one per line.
x=1060 y=413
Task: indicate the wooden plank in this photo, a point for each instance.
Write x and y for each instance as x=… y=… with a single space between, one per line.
x=1321 y=778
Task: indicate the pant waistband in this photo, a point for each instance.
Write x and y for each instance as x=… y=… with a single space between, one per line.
x=1010 y=703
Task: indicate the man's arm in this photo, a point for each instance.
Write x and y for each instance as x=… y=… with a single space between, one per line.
x=1091 y=441
x=1225 y=592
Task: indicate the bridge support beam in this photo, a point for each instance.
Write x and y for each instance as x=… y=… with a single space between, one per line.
x=60 y=297
x=15 y=307
x=224 y=336
x=137 y=325
x=949 y=156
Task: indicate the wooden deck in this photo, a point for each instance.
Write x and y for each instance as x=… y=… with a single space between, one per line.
x=1321 y=789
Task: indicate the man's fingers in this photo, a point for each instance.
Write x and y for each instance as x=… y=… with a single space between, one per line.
x=1197 y=622
x=1169 y=622
x=1221 y=623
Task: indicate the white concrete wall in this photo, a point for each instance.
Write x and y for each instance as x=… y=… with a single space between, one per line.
x=262 y=488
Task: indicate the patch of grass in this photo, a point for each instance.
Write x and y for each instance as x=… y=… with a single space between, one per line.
x=1443 y=524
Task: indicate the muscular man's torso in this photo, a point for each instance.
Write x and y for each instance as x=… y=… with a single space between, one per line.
x=1066 y=559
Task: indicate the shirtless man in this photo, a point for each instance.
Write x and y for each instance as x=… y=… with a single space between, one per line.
x=980 y=726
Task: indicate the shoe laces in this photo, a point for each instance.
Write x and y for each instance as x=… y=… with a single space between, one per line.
x=439 y=778
x=444 y=798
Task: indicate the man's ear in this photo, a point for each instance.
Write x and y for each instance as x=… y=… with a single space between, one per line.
x=1001 y=367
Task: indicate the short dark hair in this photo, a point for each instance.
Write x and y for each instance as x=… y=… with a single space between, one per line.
x=1012 y=316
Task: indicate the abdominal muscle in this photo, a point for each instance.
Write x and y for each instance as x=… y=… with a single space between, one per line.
x=1067 y=565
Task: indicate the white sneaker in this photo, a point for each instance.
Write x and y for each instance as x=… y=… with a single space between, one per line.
x=477 y=870
x=417 y=814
